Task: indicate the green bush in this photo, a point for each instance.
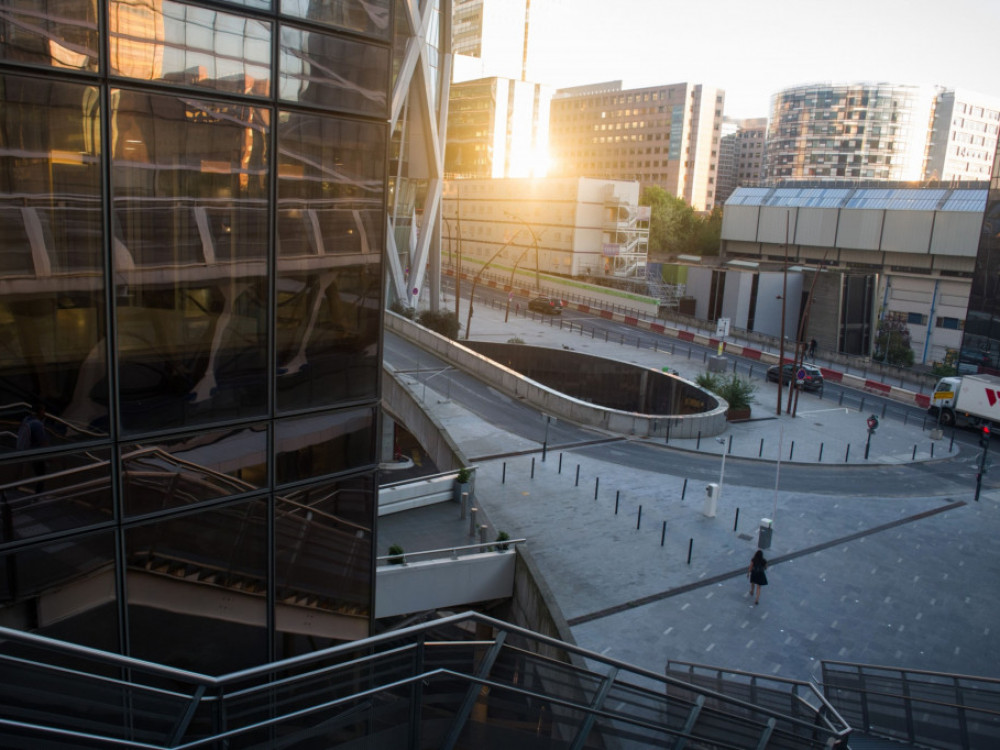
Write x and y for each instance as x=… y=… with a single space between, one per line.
x=397 y=555
x=709 y=381
x=400 y=309
x=738 y=392
x=444 y=322
x=463 y=476
x=503 y=536
x=515 y=340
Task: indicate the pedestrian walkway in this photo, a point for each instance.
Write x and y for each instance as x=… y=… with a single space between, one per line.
x=906 y=580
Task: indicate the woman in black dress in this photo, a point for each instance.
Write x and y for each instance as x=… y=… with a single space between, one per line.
x=756 y=574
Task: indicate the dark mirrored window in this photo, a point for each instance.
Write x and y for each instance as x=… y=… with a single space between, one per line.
x=308 y=57
x=52 y=491
x=179 y=471
x=69 y=587
x=52 y=346
x=190 y=45
x=323 y=557
x=198 y=580
x=328 y=305
x=59 y=33
x=319 y=444
x=364 y=16
x=190 y=221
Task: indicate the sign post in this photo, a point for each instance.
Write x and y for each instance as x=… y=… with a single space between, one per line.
x=872 y=426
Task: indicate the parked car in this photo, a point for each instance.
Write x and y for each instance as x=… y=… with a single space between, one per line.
x=547 y=305
x=813 y=380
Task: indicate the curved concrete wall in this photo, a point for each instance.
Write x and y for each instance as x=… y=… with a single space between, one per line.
x=553 y=402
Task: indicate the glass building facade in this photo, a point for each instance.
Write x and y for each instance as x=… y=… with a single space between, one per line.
x=980 y=350
x=193 y=219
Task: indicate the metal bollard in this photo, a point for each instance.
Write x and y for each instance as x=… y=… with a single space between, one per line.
x=503 y=474
x=560 y=464
x=932 y=450
x=684 y=489
x=736 y=521
x=663 y=533
x=820 y=453
x=690 y=545
x=761 y=451
x=465 y=505
x=914 y=456
x=482 y=536
x=532 y=467
x=597 y=484
x=729 y=449
x=577 y=483
x=472 y=521
x=791 y=451
x=617 y=495
x=884 y=405
x=848 y=453
x=638 y=520
x=840 y=402
x=697 y=445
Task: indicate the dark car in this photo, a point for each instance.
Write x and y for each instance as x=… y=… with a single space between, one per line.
x=547 y=305
x=813 y=380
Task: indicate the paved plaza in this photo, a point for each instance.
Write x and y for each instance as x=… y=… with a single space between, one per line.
x=906 y=577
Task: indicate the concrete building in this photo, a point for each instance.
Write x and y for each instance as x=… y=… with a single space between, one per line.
x=869 y=255
x=964 y=136
x=741 y=156
x=497 y=127
x=566 y=226
x=666 y=136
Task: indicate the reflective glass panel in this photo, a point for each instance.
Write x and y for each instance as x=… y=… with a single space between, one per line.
x=323 y=559
x=333 y=73
x=178 y=471
x=69 y=588
x=189 y=45
x=189 y=204
x=330 y=234
x=52 y=347
x=198 y=580
x=60 y=33
x=364 y=16
x=318 y=444
x=50 y=492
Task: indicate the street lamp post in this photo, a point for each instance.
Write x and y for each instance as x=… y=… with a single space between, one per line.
x=475 y=280
x=506 y=315
x=722 y=473
x=534 y=241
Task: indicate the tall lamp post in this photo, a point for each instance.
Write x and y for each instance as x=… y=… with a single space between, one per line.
x=534 y=241
x=458 y=266
x=475 y=280
x=781 y=340
x=722 y=473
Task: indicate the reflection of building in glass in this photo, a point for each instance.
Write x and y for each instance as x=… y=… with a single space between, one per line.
x=741 y=156
x=666 y=136
x=192 y=276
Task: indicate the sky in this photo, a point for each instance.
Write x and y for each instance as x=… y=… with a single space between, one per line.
x=753 y=49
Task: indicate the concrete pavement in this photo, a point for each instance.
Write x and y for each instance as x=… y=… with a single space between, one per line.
x=906 y=580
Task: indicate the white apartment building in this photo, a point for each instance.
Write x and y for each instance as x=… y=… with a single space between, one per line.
x=964 y=136
x=573 y=226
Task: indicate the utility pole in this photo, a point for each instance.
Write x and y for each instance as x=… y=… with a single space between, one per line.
x=781 y=339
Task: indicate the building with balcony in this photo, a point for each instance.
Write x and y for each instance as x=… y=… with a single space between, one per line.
x=563 y=226
x=667 y=136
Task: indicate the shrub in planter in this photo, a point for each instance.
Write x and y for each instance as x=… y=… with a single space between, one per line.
x=463 y=476
x=738 y=392
x=462 y=480
x=397 y=555
x=503 y=536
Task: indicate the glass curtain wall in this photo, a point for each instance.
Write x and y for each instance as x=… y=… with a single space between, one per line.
x=980 y=350
x=192 y=218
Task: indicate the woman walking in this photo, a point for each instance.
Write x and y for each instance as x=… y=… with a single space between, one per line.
x=756 y=574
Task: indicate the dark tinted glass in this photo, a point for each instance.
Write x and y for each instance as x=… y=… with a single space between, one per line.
x=173 y=472
x=52 y=347
x=197 y=581
x=330 y=191
x=359 y=85
x=364 y=16
x=323 y=557
x=189 y=185
x=69 y=586
x=319 y=444
x=186 y=44
x=60 y=33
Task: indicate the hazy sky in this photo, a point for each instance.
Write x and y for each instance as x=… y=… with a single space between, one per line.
x=752 y=49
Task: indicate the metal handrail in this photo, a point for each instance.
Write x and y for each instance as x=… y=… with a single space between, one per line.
x=452 y=551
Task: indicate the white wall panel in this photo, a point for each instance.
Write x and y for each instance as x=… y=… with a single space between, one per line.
x=816 y=226
x=776 y=224
x=859 y=229
x=907 y=231
x=740 y=223
x=956 y=233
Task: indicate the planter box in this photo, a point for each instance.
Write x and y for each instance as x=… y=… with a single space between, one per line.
x=736 y=415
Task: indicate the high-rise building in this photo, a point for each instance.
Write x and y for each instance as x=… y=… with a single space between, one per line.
x=963 y=136
x=667 y=136
x=741 y=156
x=193 y=212
x=857 y=131
x=497 y=127
x=488 y=38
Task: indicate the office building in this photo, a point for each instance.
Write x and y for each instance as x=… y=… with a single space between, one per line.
x=497 y=127
x=963 y=136
x=667 y=136
x=741 y=156
x=857 y=131
x=563 y=226
x=193 y=207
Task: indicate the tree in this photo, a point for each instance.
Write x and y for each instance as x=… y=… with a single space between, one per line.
x=675 y=228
